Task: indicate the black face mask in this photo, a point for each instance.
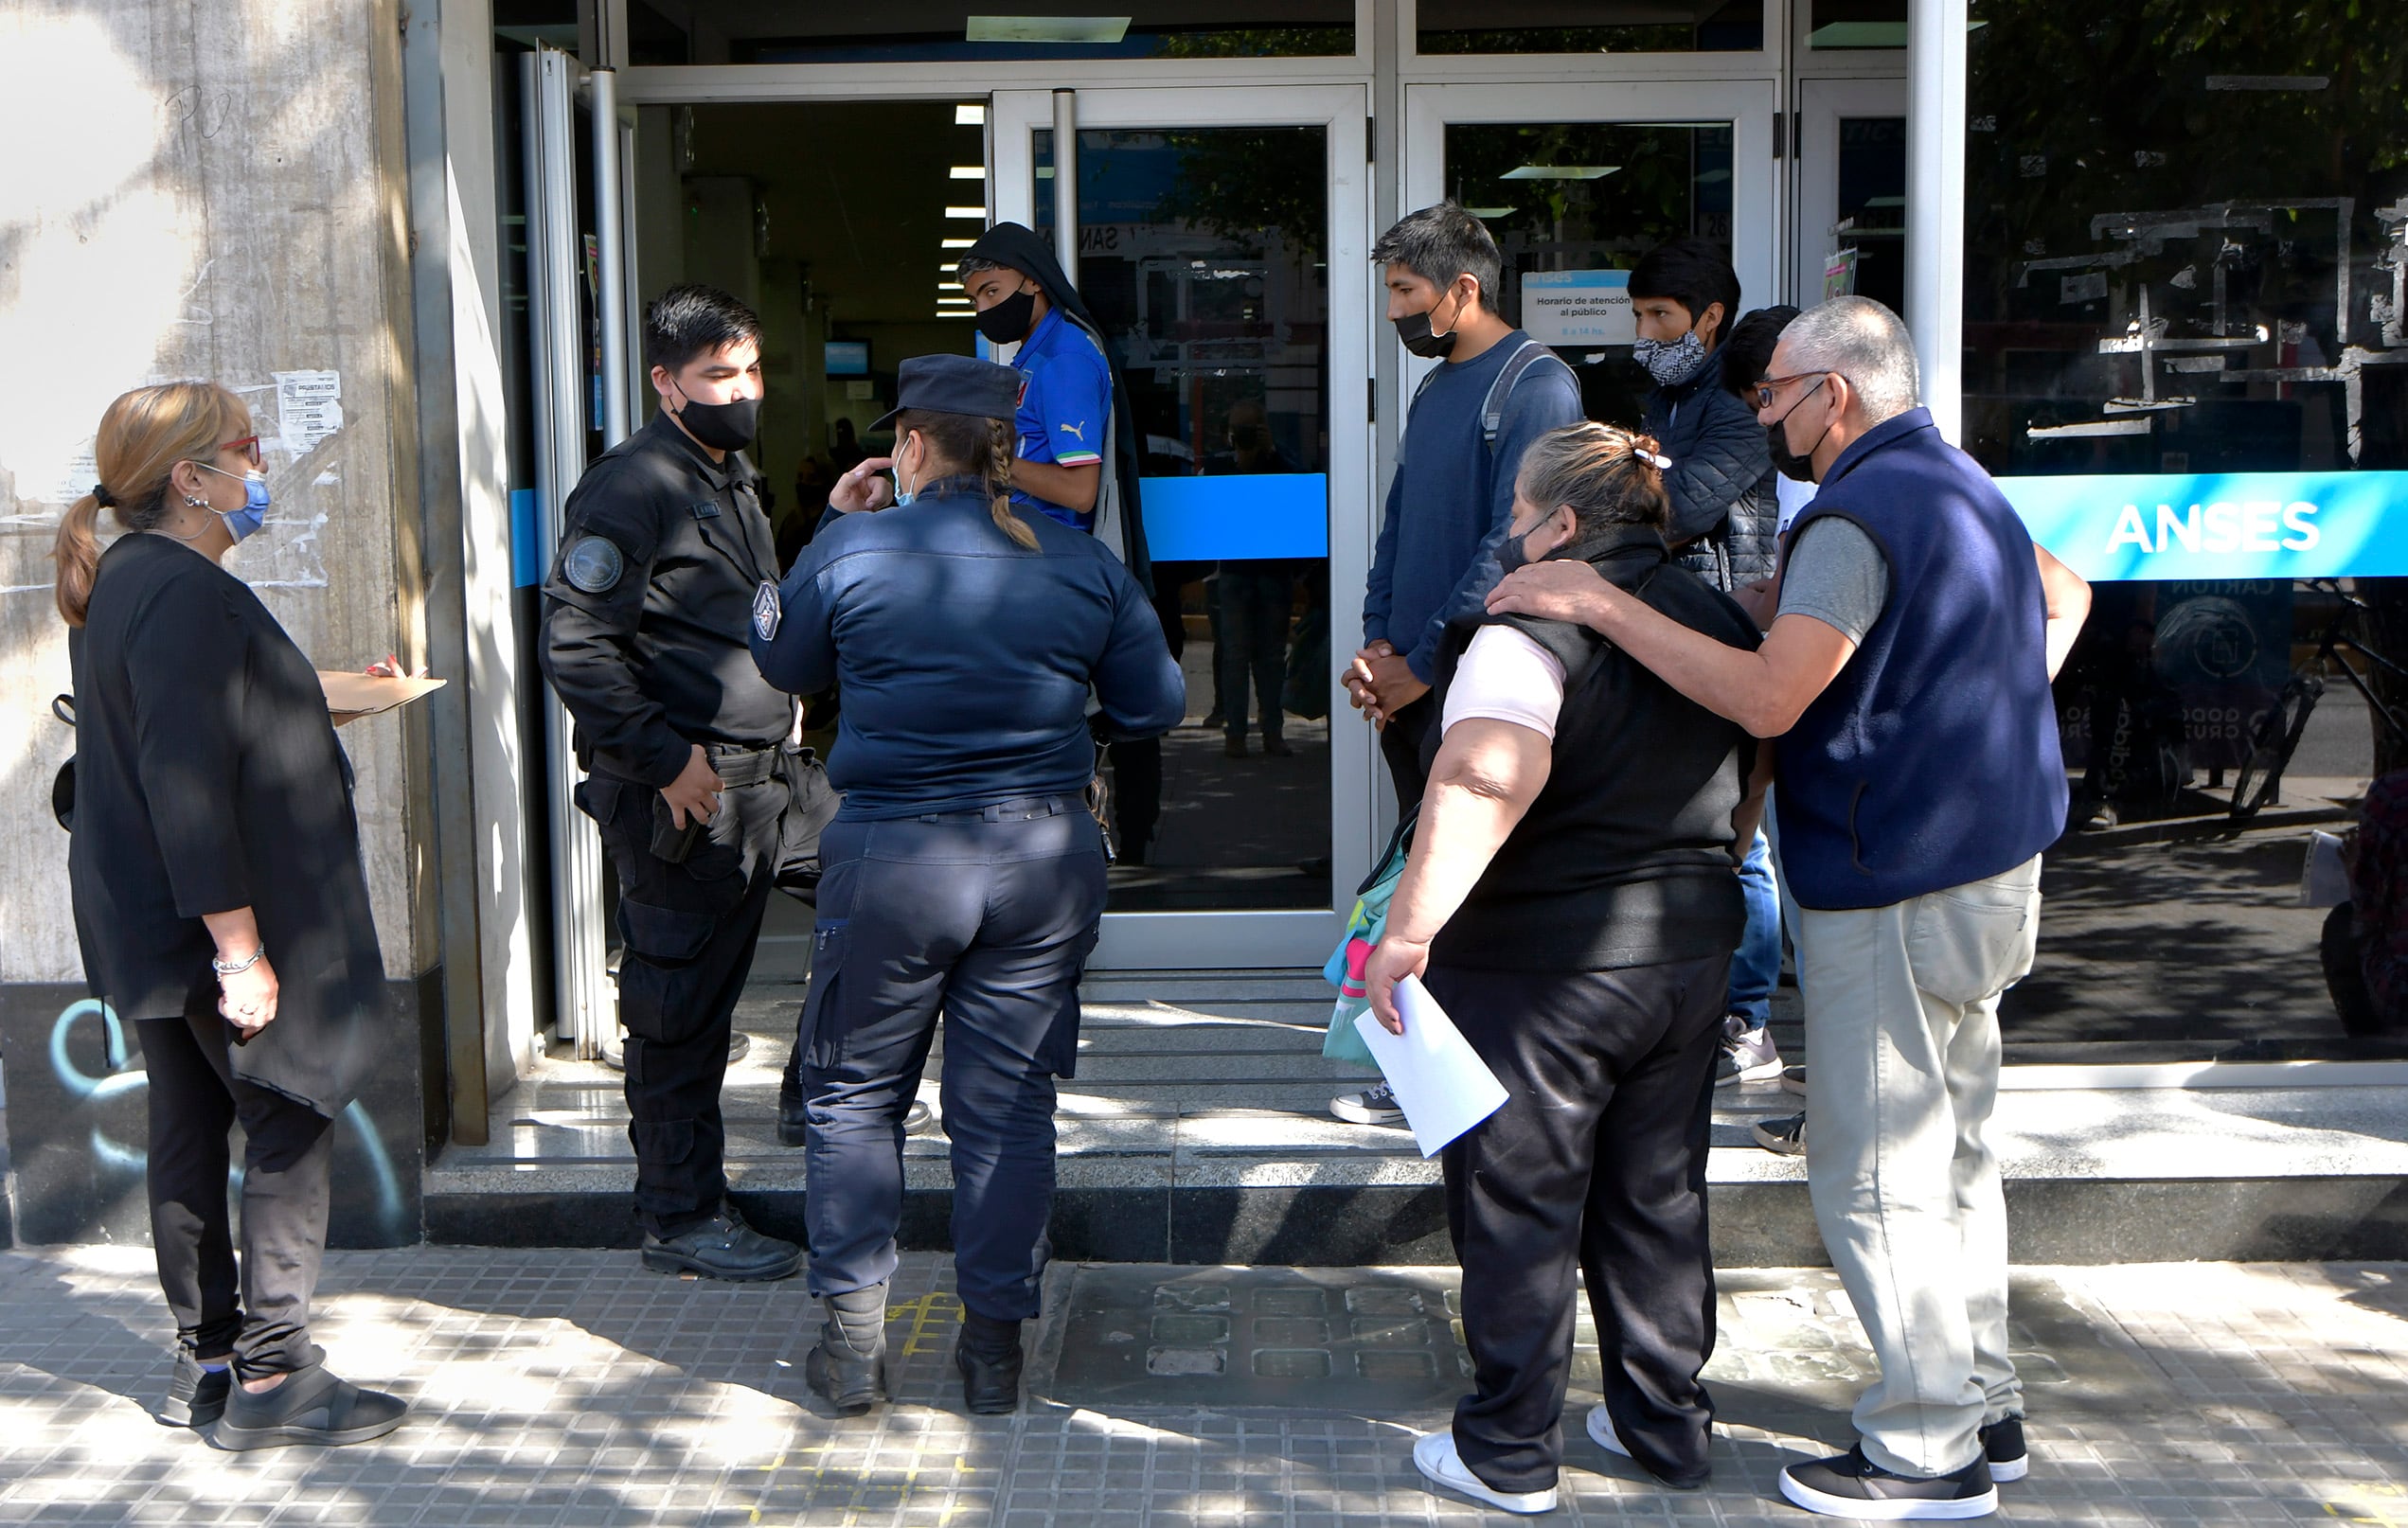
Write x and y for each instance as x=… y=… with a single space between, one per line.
x=1796 y=468
x=1514 y=552
x=722 y=426
x=1414 y=331
x=1008 y=321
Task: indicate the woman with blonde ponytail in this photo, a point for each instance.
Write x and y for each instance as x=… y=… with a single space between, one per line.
x=967 y=640
x=220 y=905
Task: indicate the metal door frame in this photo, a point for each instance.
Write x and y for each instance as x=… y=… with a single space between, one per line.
x=1256 y=939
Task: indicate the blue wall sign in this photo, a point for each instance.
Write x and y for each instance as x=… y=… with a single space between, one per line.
x=2220 y=525
x=1236 y=517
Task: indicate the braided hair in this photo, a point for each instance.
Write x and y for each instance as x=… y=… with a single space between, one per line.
x=966 y=442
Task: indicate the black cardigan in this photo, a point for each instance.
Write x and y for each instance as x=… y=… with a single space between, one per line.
x=209 y=778
x=1624 y=859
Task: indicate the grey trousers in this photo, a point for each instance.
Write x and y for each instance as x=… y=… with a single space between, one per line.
x=1901 y=1032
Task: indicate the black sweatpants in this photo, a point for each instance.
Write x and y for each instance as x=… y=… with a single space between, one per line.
x=688 y=932
x=261 y=1318
x=1594 y=1168
x=1401 y=743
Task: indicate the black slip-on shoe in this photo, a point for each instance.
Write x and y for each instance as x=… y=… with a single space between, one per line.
x=311 y=1407
x=196 y=1397
x=2003 y=1446
x=1851 y=1485
x=990 y=1382
x=723 y=1246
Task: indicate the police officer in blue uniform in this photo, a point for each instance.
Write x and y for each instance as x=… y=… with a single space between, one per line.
x=645 y=617
x=964 y=870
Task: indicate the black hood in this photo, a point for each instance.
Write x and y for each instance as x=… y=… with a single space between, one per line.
x=1031 y=253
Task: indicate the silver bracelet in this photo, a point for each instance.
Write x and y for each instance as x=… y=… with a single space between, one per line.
x=235 y=968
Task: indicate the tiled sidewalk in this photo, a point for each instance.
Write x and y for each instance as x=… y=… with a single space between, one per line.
x=571 y=1388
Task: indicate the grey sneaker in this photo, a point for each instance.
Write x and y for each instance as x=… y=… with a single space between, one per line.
x=1786 y=1136
x=1373 y=1106
x=1748 y=1053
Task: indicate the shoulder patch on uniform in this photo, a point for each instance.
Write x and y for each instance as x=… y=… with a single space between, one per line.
x=594 y=564
x=768 y=610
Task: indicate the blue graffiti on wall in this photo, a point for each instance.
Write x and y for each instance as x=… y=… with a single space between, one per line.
x=118 y=1081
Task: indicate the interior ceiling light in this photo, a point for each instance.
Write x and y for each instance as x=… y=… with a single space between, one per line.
x=969 y=117
x=979 y=213
x=968 y=173
x=1047 y=28
x=1558 y=172
x=956 y=243
x=954 y=313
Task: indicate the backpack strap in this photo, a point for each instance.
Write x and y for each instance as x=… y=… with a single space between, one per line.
x=1509 y=376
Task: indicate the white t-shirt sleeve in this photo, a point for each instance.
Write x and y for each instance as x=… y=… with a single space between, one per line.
x=1505 y=676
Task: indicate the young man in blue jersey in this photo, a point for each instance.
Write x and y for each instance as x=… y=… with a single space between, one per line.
x=1076 y=459
x=1450 y=499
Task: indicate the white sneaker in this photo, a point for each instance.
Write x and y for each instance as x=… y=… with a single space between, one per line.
x=1435 y=1456
x=1748 y=1054
x=1601 y=1431
x=1375 y=1105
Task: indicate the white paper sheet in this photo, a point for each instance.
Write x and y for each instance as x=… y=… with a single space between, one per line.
x=1442 y=1085
x=2324 y=881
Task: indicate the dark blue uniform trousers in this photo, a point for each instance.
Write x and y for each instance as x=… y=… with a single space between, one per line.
x=986 y=917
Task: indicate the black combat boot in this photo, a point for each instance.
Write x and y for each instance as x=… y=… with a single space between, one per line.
x=849 y=1367
x=988 y=1355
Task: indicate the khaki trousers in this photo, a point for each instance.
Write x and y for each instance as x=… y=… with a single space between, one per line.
x=1901 y=1036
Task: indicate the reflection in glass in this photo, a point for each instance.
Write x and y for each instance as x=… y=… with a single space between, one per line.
x=1856 y=23
x=1872 y=211
x=1590 y=196
x=1202 y=256
x=792 y=31
x=1593 y=27
x=2187 y=249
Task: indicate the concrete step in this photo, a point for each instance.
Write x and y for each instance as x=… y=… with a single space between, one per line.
x=1197 y=1131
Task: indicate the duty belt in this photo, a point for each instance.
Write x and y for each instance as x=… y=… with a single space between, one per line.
x=742 y=763
x=1018 y=809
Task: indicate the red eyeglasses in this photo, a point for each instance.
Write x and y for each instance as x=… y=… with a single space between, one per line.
x=248 y=446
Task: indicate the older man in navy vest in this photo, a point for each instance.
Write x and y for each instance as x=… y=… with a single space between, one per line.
x=1906 y=676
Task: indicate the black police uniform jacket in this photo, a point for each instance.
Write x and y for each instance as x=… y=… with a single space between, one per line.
x=645 y=613
x=207 y=780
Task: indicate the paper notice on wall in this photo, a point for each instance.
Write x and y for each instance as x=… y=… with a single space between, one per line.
x=82 y=472
x=309 y=408
x=1579 y=308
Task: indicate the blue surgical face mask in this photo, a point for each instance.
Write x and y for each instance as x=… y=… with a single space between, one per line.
x=903 y=496
x=240 y=523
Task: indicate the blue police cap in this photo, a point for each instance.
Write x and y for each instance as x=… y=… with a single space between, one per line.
x=955 y=385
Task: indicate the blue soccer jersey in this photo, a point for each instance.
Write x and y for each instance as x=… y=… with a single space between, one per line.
x=1065 y=402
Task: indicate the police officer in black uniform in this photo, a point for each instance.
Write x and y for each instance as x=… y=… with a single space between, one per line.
x=644 y=639
x=964 y=870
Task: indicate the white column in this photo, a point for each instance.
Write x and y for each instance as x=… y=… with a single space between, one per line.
x=1936 y=202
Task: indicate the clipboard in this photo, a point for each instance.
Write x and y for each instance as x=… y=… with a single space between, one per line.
x=351 y=694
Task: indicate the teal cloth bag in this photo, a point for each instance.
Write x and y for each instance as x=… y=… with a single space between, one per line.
x=1364 y=926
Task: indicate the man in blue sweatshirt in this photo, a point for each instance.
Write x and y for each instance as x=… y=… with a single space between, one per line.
x=1451 y=500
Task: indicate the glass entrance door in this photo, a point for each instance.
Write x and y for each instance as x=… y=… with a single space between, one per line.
x=1220 y=248
x=1578 y=182
x=1851 y=201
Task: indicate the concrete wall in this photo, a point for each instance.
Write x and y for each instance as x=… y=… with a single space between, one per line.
x=209 y=189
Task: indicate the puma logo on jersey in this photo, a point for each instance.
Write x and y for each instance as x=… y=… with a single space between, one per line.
x=1077 y=430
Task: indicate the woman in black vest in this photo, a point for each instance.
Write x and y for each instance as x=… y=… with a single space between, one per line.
x=1572 y=904
x=221 y=904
